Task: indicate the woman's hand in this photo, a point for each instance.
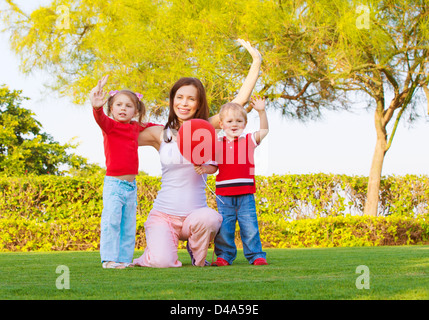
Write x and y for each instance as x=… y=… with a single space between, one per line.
x=253 y=51
x=97 y=94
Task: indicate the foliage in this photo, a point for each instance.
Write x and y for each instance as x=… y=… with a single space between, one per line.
x=348 y=231
x=144 y=45
x=315 y=52
x=312 y=195
x=24 y=148
x=63 y=213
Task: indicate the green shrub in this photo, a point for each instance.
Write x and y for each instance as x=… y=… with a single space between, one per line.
x=318 y=210
x=349 y=231
x=84 y=234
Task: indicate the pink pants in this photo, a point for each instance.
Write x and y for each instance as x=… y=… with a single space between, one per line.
x=163 y=232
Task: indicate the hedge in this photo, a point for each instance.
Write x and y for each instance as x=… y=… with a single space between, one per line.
x=45 y=213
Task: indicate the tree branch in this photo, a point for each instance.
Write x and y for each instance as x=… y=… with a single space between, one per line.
x=391 y=79
x=426 y=90
x=16 y=8
x=297 y=96
x=409 y=92
x=395 y=126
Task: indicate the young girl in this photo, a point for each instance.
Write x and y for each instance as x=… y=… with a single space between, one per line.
x=235 y=184
x=120 y=133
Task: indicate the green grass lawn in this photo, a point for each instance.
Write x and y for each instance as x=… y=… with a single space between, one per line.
x=322 y=273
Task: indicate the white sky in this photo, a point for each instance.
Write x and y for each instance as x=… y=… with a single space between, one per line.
x=341 y=143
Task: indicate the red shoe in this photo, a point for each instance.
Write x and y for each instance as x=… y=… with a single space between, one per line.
x=260 y=262
x=220 y=262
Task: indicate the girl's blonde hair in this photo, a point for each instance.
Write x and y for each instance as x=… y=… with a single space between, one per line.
x=235 y=107
x=141 y=109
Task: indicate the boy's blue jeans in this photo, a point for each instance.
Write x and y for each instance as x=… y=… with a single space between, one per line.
x=239 y=208
x=118 y=220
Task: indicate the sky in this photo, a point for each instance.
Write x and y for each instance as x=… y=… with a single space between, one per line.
x=339 y=143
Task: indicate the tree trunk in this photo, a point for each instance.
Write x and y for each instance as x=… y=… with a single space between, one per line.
x=373 y=190
x=372 y=195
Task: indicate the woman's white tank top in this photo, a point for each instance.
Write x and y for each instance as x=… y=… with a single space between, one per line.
x=182 y=189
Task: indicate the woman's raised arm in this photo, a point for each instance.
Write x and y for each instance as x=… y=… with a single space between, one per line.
x=246 y=89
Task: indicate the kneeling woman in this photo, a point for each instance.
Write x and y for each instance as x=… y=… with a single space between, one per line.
x=180 y=210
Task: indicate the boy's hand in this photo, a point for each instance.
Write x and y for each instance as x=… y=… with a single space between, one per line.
x=205 y=169
x=258 y=103
x=199 y=169
x=97 y=95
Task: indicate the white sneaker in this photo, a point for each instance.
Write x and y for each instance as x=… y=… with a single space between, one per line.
x=112 y=265
x=127 y=264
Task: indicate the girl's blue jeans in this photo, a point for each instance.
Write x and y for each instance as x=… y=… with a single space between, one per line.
x=118 y=220
x=239 y=208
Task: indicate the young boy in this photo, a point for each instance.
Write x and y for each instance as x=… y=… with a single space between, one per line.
x=235 y=184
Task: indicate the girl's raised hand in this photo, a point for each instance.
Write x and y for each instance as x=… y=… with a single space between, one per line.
x=253 y=51
x=97 y=94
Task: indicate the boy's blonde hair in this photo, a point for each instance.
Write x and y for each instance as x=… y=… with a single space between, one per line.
x=235 y=107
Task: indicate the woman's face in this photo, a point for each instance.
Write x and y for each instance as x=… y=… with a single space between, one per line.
x=186 y=103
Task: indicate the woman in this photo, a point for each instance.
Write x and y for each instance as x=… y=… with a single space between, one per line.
x=180 y=210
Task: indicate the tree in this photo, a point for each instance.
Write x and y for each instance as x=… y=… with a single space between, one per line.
x=144 y=45
x=318 y=55
x=380 y=49
x=24 y=148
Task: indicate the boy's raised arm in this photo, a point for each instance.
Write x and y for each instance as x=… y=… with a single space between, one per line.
x=259 y=105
